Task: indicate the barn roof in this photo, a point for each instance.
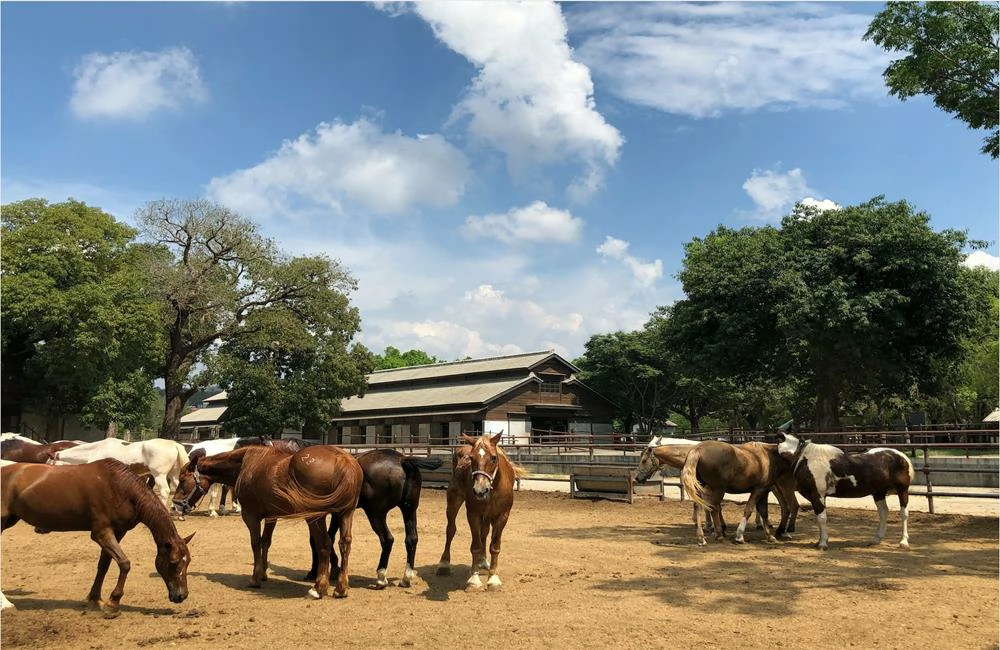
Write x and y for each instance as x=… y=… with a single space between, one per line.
x=993 y=417
x=473 y=393
x=526 y=362
x=208 y=415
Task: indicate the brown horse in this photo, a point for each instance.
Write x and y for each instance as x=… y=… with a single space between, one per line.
x=483 y=479
x=714 y=468
x=19 y=450
x=270 y=483
x=672 y=452
x=106 y=498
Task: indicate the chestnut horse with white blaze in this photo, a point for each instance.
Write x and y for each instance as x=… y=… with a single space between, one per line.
x=824 y=470
x=483 y=479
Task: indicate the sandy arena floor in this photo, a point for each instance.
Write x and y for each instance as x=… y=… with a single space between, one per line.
x=577 y=574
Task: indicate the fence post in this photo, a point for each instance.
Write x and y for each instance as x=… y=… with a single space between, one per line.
x=927 y=479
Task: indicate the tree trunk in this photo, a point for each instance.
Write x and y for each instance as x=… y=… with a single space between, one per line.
x=112 y=430
x=827 y=414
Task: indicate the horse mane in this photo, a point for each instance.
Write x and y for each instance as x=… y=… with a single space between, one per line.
x=519 y=472
x=132 y=489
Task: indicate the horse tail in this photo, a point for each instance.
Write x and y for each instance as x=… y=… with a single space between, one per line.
x=689 y=479
x=519 y=472
x=182 y=458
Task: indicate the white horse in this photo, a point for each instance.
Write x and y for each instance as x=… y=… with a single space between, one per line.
x=160 y=458
x=17 y=436
x=4 y=603
x=211 y=448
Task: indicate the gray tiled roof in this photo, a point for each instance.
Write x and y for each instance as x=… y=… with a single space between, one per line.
x=524 y=362
x=434 y=395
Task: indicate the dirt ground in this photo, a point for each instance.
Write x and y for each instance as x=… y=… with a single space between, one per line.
x=577 y=574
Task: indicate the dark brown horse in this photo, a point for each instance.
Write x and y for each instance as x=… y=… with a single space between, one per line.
x=483 y=479
x=19 y=450
x=820 y=471
x=714 y=468
x=270 y=483
x=106 y=498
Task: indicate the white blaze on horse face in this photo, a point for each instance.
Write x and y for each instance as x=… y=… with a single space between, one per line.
x=789 y=445
x=482 y=452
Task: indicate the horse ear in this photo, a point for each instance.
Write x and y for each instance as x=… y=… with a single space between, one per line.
x=496 y=439
x=187 y=540
x=469 y=439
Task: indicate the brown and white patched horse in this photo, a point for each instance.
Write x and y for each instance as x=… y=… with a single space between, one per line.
x=824 y=470
x=483 y=479
x=714 y=468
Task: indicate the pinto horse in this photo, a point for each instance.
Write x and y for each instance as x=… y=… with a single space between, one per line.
x=105 y=498
x=672 y=452
x=270 y=483
x=24 y=450
x=824 y=470
x=714 y=468
x=482 y=478
x=162 y=459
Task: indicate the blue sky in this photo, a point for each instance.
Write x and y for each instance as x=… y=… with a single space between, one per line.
x=499 y=178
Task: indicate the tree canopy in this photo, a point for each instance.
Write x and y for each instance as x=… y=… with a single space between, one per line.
x=393 y=358
x=953 y=55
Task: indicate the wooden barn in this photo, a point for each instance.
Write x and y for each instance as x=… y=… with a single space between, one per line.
x=525 y=396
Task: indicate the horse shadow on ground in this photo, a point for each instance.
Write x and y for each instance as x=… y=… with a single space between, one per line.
x=440 y=587
x=760 y=576
x=24 y=601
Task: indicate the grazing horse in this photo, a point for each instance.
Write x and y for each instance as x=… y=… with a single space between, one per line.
x=105 y=498
x=824 y=470
x=482 y=478
x=24 y=450
x=714 y=468
x=219 y=491
x=270 y=483
x=672 y=452
x=160 y=458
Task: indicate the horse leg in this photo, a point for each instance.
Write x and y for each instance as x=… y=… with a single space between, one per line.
x=784 y=491
x=108 y=541
x=253 y=525
x=318 y=534
x=162 y=489
x=478 y=549
x=346 y=526
x=410 y=527
x=455 y=499
x=818 y=502
x=494 y=584
x=265 y=544
x=904 y=515
x=214 y=500
x=752 y=505
x=699 y=512
x=385 y=540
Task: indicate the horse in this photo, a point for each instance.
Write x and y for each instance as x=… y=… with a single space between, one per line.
x=482 y=478
x=672 y=452
x=714 y=468
x=270 y=483
x=219 y=491
x=391 y=480
x=161 y=458
x=24 y=450
x=824 y=470
x=105 y=498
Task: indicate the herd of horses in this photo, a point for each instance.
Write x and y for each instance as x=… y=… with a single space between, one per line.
x=99 y=487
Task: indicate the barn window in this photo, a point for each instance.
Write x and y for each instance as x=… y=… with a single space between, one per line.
x=550 y=386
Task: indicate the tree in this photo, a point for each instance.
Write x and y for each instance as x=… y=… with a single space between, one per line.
x=953 y=51
x=845 y=303
x=78 y=325
x=393 y=358
x=223 y=286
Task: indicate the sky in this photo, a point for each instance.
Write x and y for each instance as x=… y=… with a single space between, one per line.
x=498 y=178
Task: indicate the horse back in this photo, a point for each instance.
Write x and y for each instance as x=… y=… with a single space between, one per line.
x=872 y=472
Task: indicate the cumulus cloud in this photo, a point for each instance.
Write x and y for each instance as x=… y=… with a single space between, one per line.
x=133 y=85
x=535 y=223
x=645 y=273
x=983 y=259
x=707 y=59
x=493 y=303
x=530 y=100
x=355 y=165
x=775 y=194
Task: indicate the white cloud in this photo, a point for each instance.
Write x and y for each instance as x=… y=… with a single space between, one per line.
x=535 y=223
x=984 y=259
x=644 y=273
x=531 y=100
x=348 y=165
x=133 y=85
x=703 y=60
x=775 y=194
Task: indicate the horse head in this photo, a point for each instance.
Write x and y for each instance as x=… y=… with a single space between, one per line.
x=484 y=461
x=648 y=464
x=191 y=487
x=790 y=447
x=172 y=559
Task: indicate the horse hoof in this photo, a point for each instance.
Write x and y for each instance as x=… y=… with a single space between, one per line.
x=213 y=514
x=405 y=583
x=380 y=585
x=111 y=613
x=314 y=594
x=494 y=584
x=702 y=542
x=339 y=594
x=255 y=585
x=739 y=540
x=905 y=545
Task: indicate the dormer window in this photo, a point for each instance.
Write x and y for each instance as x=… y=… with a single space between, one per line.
x=550 y=385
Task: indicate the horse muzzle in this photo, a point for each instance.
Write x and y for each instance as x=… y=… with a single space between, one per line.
x=177 y=595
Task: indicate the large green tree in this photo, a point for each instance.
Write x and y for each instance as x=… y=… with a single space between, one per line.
x=953 y=55
x=80 y=330
x=393 y=358
x=849 y=302
x=222 y=283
